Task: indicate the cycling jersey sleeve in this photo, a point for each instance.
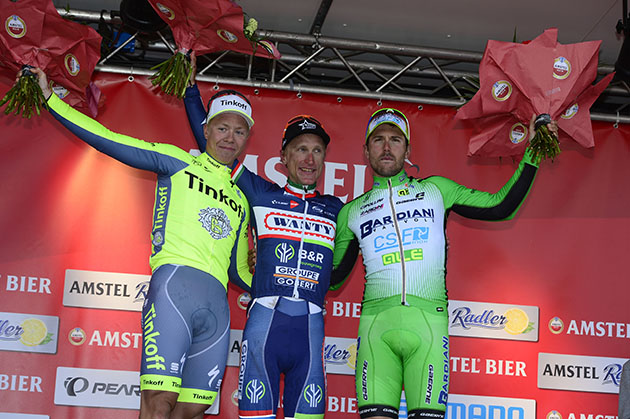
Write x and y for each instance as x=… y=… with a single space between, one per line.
x=196 y=114
x=346 y=250
x=238 y=271
x=479 y=205
x=249 y=182
x=159 y=158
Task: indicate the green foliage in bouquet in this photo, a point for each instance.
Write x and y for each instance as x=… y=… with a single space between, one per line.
x=25 y=96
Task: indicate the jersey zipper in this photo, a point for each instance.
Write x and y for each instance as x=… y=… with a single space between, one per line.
x=296 y=293
x=401 y=249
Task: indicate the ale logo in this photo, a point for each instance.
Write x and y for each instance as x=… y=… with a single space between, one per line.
x=501 y=90
x=518 y=133
x=72 y=64
x=570 y=112
x=556 y=325
x=561 y=68
x=554 y=414
x=243 y=300
x=15 y=26
x=227 y=36
x=77 y=336
x=166 y=11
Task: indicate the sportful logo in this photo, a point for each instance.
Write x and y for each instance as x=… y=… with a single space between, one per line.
x=313 y=394
x=255 y=390
x=284 y=252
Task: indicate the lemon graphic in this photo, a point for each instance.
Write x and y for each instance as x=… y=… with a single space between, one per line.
x=352 y=359
x=517 y=321
x=34 y=332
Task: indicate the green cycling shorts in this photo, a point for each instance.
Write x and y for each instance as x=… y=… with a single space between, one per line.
x=402 y=345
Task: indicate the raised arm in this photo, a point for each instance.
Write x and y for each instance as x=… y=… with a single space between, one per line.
x=159 y=158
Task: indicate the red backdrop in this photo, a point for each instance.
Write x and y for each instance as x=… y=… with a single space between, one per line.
x=66 y=206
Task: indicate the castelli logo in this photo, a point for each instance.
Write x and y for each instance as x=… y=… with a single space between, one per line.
x=243 y=300
x=72 y=64
x=561 y=68
x=518 y=133
x=501 y=90
x=227 y=36
x=77 y=336
x=570 y=112
x=556 y=325
x=170 y=15
x=15 y=26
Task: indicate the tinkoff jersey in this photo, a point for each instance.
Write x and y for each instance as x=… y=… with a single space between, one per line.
x=400 y=227
x=200 y=216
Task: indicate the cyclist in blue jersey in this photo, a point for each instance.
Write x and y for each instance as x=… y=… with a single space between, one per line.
x=199 y=239
x=295 y=228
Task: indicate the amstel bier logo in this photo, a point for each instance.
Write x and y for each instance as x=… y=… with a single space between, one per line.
x=561 y=68
x=518 y=133
x=556 y=325
x=243 y=300
x=77 y=336
x=227 y=36
x=554 y=414
x=501 y=90
x=15 y=26
x=170 y=15
x=72 y=64
x=570 y=112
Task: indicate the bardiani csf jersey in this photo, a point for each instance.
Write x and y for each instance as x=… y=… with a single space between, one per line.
x=400 y=225
x=295 y=233
x=200 y=216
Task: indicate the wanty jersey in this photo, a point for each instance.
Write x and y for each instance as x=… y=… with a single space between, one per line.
x=295 y=233
x=400 y=224
x=199 y=218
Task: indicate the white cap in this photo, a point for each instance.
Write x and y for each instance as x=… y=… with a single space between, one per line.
x=229 y=102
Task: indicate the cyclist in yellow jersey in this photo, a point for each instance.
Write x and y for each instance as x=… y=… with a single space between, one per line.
x=199 y=240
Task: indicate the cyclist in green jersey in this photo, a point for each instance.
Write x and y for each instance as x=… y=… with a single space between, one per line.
x=399 y=226
x=199 y=241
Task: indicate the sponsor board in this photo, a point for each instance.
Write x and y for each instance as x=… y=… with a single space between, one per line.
x=462 y=406
x=105 y=290
x=493 y=320
x=593 y=328
x=236 y=337
x=29 y=333
x=340 y=355
x=4 y=415
x=488 y=366
x=579 y=373
x=97 y=388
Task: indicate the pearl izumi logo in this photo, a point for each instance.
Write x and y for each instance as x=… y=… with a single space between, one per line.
x=97 y=388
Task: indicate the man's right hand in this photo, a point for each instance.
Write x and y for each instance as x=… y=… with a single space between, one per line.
x=42 y=80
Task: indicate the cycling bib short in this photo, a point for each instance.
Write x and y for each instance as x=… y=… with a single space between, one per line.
x=186 y=331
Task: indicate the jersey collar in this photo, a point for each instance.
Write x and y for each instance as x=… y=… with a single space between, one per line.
x=306 y=191
x=214 y=163
x=399 y=179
